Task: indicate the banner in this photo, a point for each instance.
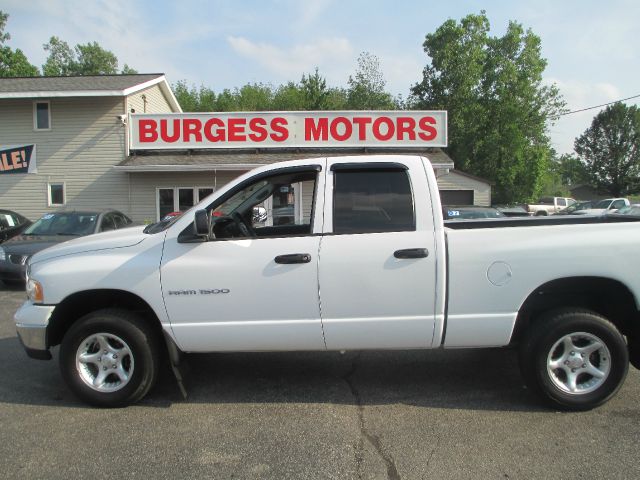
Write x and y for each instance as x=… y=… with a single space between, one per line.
x=18 y=159
x=322 y=129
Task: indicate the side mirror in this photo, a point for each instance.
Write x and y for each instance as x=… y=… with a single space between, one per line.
x=202 y=223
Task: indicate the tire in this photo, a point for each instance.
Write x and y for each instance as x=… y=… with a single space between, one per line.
x=110 y=358
x=541 y=213
x=574 y=359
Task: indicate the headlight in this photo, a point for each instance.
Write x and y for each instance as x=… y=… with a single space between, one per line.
x=3 y=256
x=34 y=291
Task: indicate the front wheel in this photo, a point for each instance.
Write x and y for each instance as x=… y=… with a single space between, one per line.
x=575 y=359
x=109 y=358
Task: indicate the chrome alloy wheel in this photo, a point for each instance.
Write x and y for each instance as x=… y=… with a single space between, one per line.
x=579 y=363
x=104 y=362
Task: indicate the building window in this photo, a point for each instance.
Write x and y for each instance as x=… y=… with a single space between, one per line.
x=179 y=199
x=42 y=115
x=56 y=194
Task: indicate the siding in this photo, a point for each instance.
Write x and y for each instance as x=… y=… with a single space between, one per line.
x=85 y=141
x=156 y=101
x=455 y=181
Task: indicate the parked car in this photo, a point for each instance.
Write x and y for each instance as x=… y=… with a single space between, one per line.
x=512 y=210
x=576 y=208
x=452 y=212
x=549 y=205
x=607 y=205
x=633 y=210
x=11 y=224
x=50 y=229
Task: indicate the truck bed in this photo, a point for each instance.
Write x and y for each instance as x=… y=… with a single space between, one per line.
x=537 y=221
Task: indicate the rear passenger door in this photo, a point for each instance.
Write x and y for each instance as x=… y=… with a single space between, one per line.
x=377 y=267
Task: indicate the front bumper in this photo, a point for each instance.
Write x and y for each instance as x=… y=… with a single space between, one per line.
x=31 y=324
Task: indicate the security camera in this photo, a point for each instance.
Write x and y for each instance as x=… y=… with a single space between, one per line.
x=122 y=118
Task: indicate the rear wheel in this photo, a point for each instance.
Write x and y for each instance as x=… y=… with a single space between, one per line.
x=574 y=359
x=109 y=358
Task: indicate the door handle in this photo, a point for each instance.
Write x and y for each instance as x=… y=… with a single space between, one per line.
x=293 y=258
x=411 y=253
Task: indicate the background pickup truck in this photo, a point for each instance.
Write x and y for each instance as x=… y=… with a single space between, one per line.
x=366 y=262
x=550 y=205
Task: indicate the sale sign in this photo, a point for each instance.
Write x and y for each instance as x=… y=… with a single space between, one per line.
x=18 y=159
x=288 y=130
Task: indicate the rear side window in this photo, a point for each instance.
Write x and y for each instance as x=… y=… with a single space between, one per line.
x=369 y=201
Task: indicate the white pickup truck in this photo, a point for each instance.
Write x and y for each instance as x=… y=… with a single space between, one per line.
x=365 y=262
x=549 y=205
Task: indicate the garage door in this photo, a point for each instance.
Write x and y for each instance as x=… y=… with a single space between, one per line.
x=456 y=197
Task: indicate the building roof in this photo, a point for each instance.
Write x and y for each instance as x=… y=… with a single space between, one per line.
x=85 y=86
x=243 y=160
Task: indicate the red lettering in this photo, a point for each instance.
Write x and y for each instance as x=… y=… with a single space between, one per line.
x=315 y=132
x=25 y=164
x=257 y=126
x=362 y=123
x=430 y=132
x=147 y=131
x=164 y=134
x=192 y=127
x=279 y=127
x=236 y=129
x=390 y=128
x=348 y=129
x=3 y=161
x=406 y=125
x=217 y=135
x=15 y=159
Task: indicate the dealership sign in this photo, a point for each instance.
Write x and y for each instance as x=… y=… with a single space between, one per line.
x=288 y=130
x=18 y=159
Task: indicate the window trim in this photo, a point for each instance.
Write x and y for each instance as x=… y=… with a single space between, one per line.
x=35 y=115
x=64 y=194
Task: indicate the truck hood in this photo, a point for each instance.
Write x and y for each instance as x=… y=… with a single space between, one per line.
x=126 y=237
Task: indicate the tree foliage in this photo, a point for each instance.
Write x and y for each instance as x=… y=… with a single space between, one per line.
x=13 y=63
x=610 y=150
x=367 y=88
x=365 y=92
x=497 y=105
x=83 y=59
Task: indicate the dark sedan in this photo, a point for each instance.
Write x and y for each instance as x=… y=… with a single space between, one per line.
x=11 y=224
x=50 y=229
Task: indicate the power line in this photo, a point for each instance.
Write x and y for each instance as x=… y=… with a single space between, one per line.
x=597 y=106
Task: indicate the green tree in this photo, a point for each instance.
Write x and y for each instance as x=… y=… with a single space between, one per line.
x=13 y=63
x=61 y=60
x=610 y=150
x=367 y=88
x=497 y=107
x=87 y=59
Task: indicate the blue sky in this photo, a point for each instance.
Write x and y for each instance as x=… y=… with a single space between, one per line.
x=591 y=47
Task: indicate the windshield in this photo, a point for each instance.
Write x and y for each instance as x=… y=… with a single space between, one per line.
x=72 y=223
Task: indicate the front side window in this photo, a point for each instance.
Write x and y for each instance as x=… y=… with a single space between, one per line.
x=41 y=116
x=369 y=201
x=56 y=194
x=278 y=205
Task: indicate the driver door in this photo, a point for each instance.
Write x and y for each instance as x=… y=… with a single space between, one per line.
x=254 y=292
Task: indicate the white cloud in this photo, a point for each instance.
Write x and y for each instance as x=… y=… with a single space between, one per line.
x=310 y=10
x=330 y=55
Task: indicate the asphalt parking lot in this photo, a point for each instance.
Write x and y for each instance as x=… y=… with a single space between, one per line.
x=369 y=415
